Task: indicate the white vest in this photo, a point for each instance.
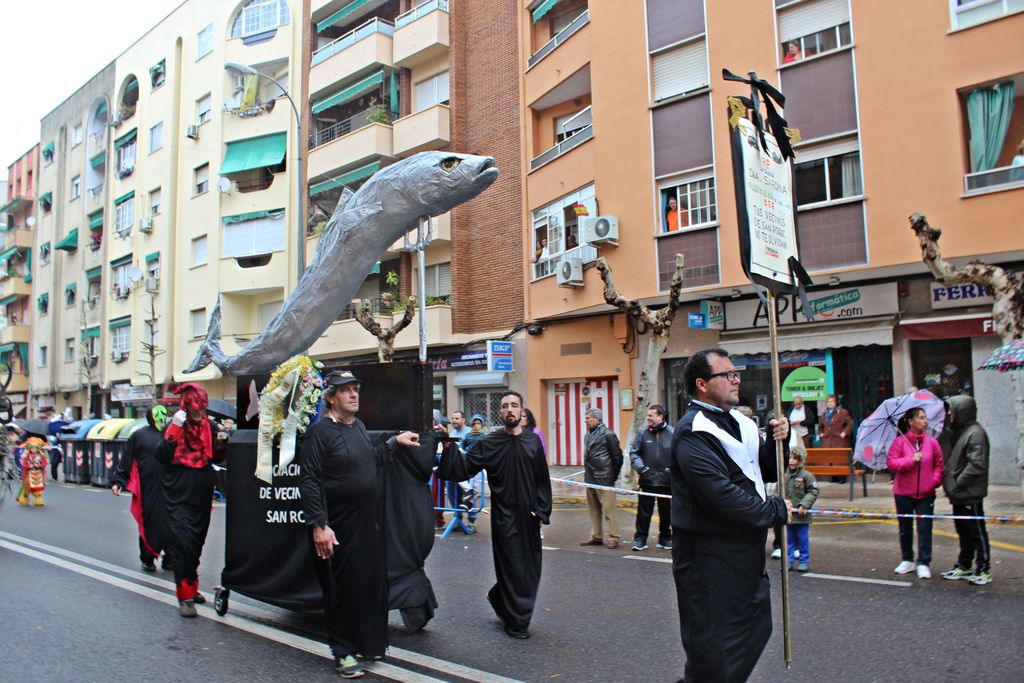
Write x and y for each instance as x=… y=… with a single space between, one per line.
x=744 y=453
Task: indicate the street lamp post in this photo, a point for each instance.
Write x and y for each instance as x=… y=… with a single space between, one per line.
x=246 y=69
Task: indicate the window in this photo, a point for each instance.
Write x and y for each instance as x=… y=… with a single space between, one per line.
x=156 y=137
x=76 y=187
x=680 y=70
x=255 y=237
x=198 y=317
x=76 y=135
x=686 y=205
x=120 y=342
x=44 y=253
x=828 y=179
x=993 y=146
x=432 y=91
x=201 y=179
x=69 y=350
x=811 y=28
x=154 y=202
x=204 y=105
x=121 y=280
x=43 y=303
x=267 y=312
x=485 y=402
x=47 y=153
x=124 y=215
x=258 y=16
x=570 y=124
x=153 y=268
x=157 y=74
x=204 y=42
x=966 y=13
x=438 y=280
x=556 y=231
x=199 y=251
x=126 y=158
x=42 y=356
x=90 y=343
x=71 y=295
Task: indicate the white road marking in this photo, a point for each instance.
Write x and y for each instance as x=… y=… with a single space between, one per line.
x=296 y=641
x=667 y=560
x=858 y=579
x=548 y=547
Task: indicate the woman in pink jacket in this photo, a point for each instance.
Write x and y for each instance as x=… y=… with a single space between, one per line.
x=915 y=460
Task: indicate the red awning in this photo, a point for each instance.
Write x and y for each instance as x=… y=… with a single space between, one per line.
x=949 y=328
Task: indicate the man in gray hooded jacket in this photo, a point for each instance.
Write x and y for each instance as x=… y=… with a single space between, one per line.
x=965 y=481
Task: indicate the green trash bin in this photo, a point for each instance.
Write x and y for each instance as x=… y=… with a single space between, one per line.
x=106 y=449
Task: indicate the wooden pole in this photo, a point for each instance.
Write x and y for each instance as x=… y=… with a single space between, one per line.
x=780 y=464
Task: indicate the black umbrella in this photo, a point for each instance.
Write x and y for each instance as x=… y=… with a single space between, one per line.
x=220 y=408
x=34 y=427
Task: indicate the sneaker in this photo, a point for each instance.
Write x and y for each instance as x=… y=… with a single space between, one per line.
x=802 y=567
x=639 y=546
x=467 y=499
x=982 y=579
x=665 y=545
x=904 y=567
x=148 y=567
x=957 y=572
x=186 y=608
x=349 y=668
x=923 y=572
x=776 y=554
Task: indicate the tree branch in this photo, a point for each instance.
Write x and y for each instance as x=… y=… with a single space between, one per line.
x=385 y=337
x=657 y=320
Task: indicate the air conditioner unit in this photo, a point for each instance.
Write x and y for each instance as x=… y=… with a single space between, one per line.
x=152 y=284
x=118 y=356
x=601 y=230
x=192 y=131
x=146 y=224
x=116 y=119
x=570 y=273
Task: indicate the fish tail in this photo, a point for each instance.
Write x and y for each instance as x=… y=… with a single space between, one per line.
x=210 y=351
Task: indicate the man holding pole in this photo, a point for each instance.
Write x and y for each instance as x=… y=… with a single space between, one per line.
x=720 y=520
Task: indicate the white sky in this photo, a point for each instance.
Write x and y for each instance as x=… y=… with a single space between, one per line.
x=48 y=48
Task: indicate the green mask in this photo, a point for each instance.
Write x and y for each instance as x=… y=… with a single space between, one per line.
x=159 y=414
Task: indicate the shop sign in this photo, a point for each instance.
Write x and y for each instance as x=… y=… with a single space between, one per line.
x=959 y=296
x=499 y=356
x=459 y=361
x=696 y=321
x=714 y=314
x=126 y=393
x=807 y=382
x=828 y=306
x=786 y=359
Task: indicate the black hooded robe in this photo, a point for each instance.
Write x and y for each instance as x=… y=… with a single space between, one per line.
x=140 y=451
x=520 y=486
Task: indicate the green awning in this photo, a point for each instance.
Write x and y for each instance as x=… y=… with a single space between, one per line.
x=94 y=273
x=9 y=299
x=346 y=178
x=155 y=256
x=543 y=9
x=48 y=149
x=11 y=205
x=22 y=348
x=98 y=160
x=96 y=219
x=91 y=332
x=44 y=248
x=253 y=215
x=120 y=322
x=393 y=95
x=70 y=287
x=121 y=261
x=46 y=199
x=69 y=243
x=8 y=254
x=349 y=93
x=340 y=14
x=125 y=139
x=6 y=348
x=28 y=264
x=125 y=197
x=376 y=268
x=260 y=152
x=157 y=70
x=43 y=301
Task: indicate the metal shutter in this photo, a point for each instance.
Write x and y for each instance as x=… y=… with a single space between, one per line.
x=680 y=70
x=811 y=17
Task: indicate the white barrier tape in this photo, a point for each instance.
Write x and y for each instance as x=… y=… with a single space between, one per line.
x=628 y=492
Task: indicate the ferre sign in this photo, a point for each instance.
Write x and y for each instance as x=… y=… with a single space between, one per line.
x=959 y=296
x=828 y=305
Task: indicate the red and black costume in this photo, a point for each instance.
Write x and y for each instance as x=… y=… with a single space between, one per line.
x=187 y=451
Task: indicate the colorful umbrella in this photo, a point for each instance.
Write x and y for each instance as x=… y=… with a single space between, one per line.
x=1007 y=357
x=877 y=432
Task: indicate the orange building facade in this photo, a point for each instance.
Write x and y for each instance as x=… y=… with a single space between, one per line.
x=626 y=156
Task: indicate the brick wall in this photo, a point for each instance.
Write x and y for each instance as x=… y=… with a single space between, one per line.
x=487 y=250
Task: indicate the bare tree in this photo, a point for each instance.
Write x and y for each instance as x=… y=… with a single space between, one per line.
x=658 y=322
x=150 y=348
x=1007 y=290
x=86 y=361
x=385 y=337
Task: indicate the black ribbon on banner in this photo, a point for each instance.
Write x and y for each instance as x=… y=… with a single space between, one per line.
x=761 y=89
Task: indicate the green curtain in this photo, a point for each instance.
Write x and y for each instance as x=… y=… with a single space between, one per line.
x=988 y=115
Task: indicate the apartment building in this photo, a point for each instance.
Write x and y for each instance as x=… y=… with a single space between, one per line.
x=17 y=223
x=388 y=79
x=625 y=120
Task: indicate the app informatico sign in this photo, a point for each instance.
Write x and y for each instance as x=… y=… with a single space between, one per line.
x=828 y=306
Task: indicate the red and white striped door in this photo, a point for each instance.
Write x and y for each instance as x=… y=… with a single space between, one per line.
x=568 y=403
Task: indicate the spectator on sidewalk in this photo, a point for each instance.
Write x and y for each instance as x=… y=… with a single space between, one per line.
x=801 y=421
x=801 y=491
x=915 y=460
x=650 y=456
x=602 y=461
x=530 y=425
x=835 y=424
x=965 y=481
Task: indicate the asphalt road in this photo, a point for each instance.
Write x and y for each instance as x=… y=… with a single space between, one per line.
x=76 y=607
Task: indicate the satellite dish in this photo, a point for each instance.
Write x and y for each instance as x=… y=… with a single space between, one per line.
x=30 y=221
x=224 y=185
x=134 y=274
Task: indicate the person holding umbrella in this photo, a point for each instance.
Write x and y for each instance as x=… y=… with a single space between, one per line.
x=915 y=459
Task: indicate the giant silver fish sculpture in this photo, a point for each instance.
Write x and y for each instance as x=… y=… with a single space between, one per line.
x=361 y=229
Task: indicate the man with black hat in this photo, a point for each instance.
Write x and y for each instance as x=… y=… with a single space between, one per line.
x=341 y=500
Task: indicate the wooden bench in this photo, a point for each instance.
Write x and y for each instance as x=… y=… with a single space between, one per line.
x=835 y=462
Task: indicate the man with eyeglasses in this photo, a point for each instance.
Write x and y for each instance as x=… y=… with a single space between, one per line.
x=720 y=520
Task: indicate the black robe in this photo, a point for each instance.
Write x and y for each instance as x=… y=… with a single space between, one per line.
x=719 y=529
x=517 y=476
x=141 y=452
x=339 y=485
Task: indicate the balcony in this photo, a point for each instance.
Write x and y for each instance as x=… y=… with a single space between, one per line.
x=19 y=238
x=239 y=200
x=280 y=117
x=559 y=38
x=994 y=180
x=425 y=130
x=16 y=334
x=19 y=383
x=259 y=279
x=441 y=231
x=276 y=49
x=346 y=337
x=577 y=138
x=15 y=286
x=372 y=141
x=421 y=34
x=362 y=49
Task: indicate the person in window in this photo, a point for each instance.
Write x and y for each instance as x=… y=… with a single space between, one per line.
x=793 y=52
x=674 y=218
x=1017 y=164
x=540 y=252
x=571 y=241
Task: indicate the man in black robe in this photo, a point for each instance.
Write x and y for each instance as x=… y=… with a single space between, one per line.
x=517 y=474
x=720 y=521
x=139 y=473
x=342 y=503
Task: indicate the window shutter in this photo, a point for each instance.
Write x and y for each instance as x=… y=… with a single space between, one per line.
x=811 y=17
x=444 y=279
x=681 y=70
x=268 y=235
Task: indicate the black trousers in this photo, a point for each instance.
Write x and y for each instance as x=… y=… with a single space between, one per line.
x=973 y=537
x=645 y=510
x=905 y=505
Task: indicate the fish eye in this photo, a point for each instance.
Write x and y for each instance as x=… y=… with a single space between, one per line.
x=450 y=164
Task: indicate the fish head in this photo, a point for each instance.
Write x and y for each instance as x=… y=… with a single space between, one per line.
x=432 y=183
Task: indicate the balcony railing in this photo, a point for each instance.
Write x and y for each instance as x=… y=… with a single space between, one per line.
x=559 y=38
x=375 y=25
x=994 y=178
x=575 y=139
x=549 y=265
x=346 y=126
x=376 y=308
x=420 y=11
